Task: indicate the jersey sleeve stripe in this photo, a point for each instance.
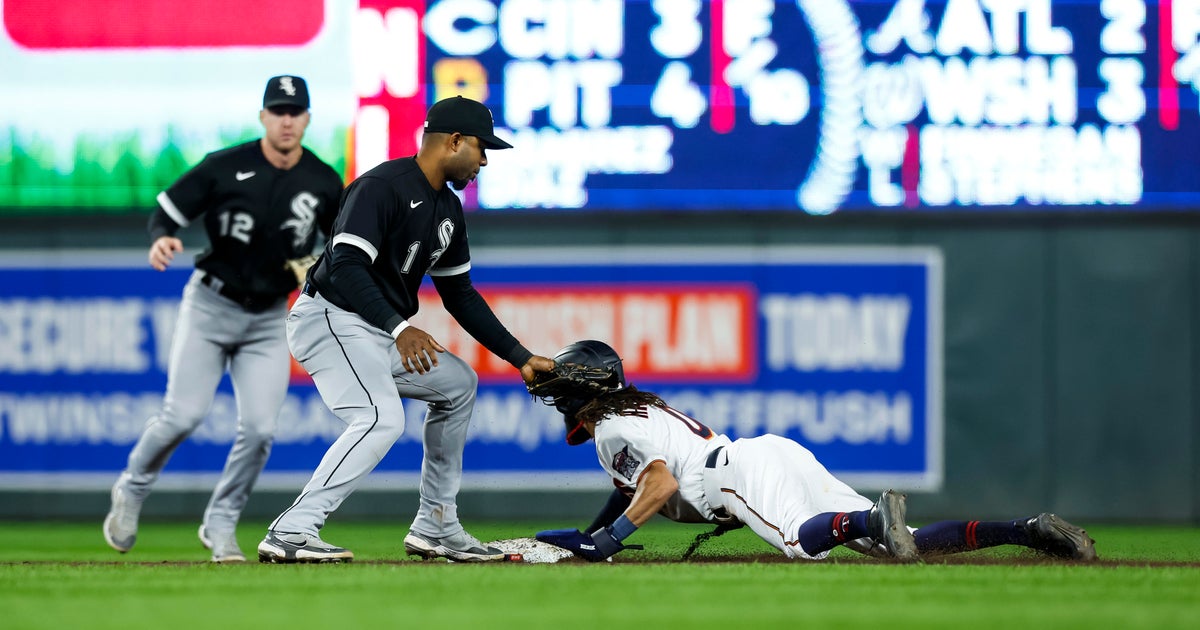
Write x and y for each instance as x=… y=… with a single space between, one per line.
x=357 y=241
x=168 y=206
x=453 y=271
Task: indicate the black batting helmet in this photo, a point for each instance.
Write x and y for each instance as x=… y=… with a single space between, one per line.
x=591 y=353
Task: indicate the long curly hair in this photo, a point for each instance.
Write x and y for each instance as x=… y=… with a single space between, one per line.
x=624 y=400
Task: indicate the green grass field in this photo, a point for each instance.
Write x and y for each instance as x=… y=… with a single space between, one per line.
x=62 y=575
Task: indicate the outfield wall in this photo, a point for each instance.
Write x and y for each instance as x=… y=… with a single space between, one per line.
x=1069 y=360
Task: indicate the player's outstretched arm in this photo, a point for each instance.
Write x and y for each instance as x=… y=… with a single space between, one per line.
x=656 y=486
x=162 y=252
x=472 y=312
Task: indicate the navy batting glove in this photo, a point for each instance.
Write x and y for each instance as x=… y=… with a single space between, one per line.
x=606 y=543
x=580 y=543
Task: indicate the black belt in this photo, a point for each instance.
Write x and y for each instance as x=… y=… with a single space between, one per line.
x=254 y=302
x=711 y=462
x=718 y=512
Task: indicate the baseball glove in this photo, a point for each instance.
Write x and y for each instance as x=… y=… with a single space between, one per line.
x=300 y=266
x=573 y=380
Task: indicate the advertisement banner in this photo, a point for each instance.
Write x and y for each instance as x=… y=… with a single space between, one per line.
x=839 y=348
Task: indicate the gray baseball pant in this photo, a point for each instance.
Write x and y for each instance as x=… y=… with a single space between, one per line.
x=214 y=334
x=359 y=374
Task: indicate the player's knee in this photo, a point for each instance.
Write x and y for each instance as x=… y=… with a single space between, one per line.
x=472 y=379
x=470 y=387
x=257 y=435
x=460 y=370
x=181 y=422
x=389 y=418
x=461 y=402
x=469 y=381
x=459 y=382
x=392 y=423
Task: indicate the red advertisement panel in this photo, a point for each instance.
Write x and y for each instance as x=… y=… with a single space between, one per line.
x=162 y=23
x=663 y=332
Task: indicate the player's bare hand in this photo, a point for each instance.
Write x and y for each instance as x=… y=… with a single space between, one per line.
x=162 y=252
x=418 y=350
x=534 y=365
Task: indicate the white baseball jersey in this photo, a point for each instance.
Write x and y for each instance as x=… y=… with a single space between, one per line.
x=629 y=443
x=770 y=483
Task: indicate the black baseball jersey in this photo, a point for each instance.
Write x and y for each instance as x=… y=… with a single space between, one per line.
x=257 y=216
x=406 y=227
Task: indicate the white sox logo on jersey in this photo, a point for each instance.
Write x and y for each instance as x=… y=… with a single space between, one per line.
x=625 y=464
x=304 y=214
x=444 y=233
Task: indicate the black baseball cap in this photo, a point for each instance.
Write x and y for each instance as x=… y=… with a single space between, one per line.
x=465 y=116
x=286 y=90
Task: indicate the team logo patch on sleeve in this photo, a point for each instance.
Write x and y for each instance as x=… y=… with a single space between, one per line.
x=625 y=463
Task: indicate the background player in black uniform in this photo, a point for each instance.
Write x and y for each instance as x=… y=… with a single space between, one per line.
x=263 y=202
x=350 y=330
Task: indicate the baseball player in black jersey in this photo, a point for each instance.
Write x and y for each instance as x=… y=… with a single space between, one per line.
x=263 y=203
x=350 y=331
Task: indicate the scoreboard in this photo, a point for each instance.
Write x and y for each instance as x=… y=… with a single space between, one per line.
x=809 y=106
x=825 y=105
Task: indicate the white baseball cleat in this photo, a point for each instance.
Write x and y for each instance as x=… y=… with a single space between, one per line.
x=280 y=548
x=121 y=523
x=224 y=546
x=461 y=547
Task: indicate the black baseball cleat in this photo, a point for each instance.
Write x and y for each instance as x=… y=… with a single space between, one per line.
x=1051 y=535
x=887 y=527
x=279 y=548
x=460 y=547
